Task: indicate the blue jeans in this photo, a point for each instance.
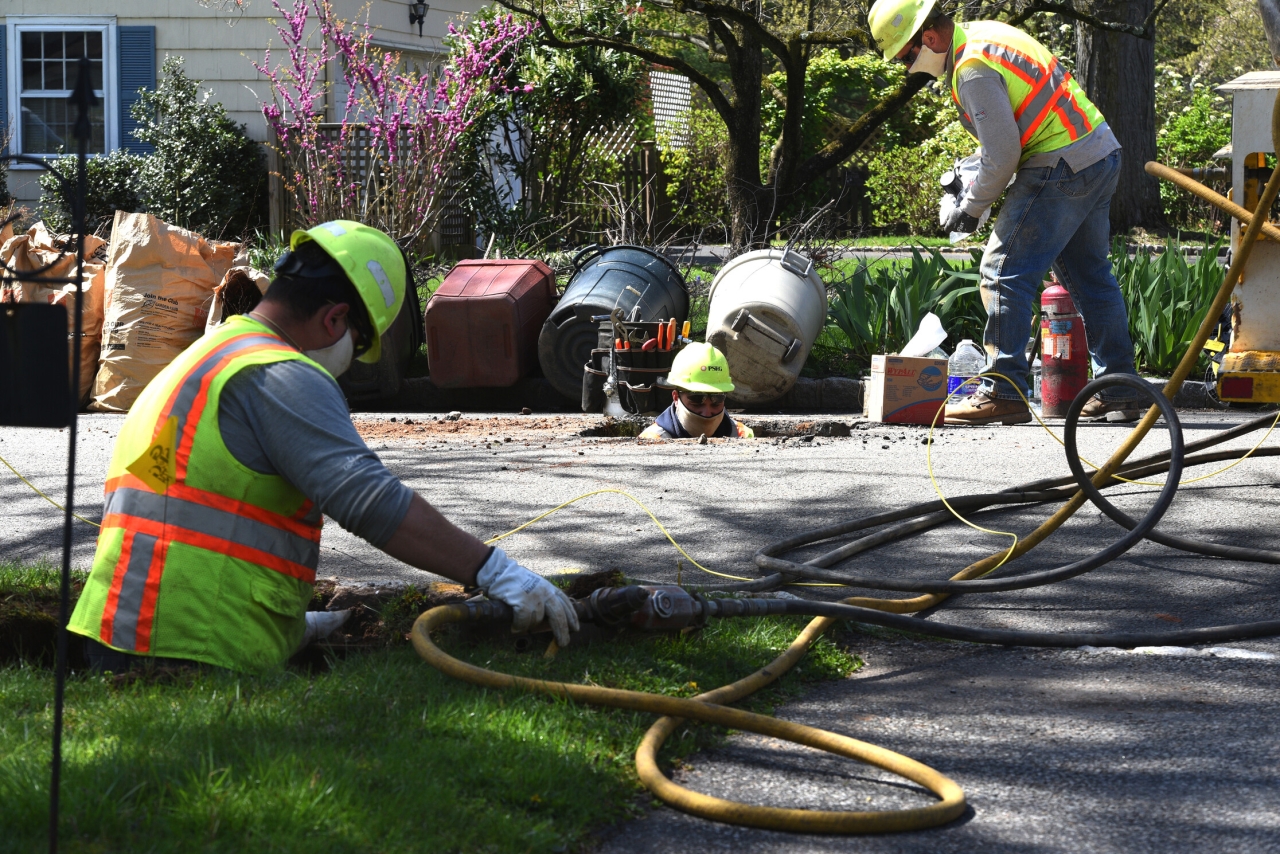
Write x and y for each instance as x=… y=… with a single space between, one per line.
x=1053 y=217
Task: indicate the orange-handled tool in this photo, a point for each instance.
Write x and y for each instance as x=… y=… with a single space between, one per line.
x=662 y=336
x=671 y=334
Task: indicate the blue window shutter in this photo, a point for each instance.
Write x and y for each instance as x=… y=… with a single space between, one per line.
x=137 y=71
x=4 y=91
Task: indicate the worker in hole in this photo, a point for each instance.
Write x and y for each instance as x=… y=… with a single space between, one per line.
x=225 y=465
x=700 y=384
x=1034 y=124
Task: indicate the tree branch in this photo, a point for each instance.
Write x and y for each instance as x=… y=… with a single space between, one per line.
x=852 y=137
x=712 y=9
x=1067 y=10
x=696 y=41
x=711 y=87
x=855 y=36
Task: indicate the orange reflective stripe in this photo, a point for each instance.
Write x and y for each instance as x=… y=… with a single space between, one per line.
x=1073 y=118
x=181 y=491
x=192 y=388
x=219 y=545
x=197 y=404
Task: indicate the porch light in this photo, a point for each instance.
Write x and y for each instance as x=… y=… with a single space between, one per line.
x=418 y=14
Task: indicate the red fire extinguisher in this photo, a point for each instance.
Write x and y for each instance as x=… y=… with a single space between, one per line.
x=1064 y=351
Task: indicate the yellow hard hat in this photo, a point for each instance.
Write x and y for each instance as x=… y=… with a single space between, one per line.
x=895 y=22
x=372 y=262
x=700 y=367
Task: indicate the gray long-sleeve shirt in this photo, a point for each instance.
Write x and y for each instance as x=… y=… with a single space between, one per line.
x=984 y=96
x=290 y=419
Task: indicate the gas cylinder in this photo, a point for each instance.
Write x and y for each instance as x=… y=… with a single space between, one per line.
x=1064 y=351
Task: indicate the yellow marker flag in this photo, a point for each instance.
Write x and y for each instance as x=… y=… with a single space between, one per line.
x=157 y=467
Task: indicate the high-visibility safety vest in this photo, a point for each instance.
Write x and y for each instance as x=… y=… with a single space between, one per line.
x=219 y=566
x=1051 y=109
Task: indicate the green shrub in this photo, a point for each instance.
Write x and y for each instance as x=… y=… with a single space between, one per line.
x=903 y=180
x=695 y=173
x=110 y=185
x=1197 y=123
x=878 y=306
x=839 y=90
x=205 y=174
x=1166 y=299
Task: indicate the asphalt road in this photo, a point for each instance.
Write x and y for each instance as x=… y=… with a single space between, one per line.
x=1057 y=750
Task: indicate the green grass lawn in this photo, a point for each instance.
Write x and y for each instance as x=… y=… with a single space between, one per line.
x=380 y=754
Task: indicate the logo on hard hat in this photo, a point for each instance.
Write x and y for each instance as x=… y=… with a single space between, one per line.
x=931 y=378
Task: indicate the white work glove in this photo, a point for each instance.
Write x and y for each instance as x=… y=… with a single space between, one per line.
x=530 y=596
x=321 y=624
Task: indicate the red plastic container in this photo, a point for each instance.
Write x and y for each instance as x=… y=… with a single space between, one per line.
x=483 y=322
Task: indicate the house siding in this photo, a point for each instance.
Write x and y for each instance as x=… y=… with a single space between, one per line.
x=220 y=48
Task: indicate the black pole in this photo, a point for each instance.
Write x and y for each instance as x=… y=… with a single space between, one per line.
x=82 y=98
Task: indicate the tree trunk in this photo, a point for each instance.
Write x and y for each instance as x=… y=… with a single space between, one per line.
x=1117 y=72
x=748 y=220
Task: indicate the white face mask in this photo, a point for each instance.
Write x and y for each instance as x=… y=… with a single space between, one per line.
x=929 y=63
x=335 y=358
x=696 y=424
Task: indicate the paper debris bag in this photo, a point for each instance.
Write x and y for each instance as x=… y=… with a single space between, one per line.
x=38 y=248
x=159 y=289
x=239 y=293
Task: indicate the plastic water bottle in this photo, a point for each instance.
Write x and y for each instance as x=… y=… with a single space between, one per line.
x=1035 y=379
x=966 y=362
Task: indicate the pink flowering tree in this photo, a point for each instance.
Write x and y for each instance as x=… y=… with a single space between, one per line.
x=386 y=162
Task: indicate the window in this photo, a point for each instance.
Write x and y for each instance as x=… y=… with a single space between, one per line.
x=49 y=69
x=43 y=61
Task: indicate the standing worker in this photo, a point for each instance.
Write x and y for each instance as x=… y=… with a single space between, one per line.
x=1030 y=118
x=223 y=468
x=700 y=384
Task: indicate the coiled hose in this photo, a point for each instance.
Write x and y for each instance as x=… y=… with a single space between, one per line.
x=709 y=707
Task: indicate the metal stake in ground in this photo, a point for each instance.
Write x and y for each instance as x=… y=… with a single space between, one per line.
x=82 y=99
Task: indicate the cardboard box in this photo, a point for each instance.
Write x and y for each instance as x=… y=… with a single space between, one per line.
x=906 y=390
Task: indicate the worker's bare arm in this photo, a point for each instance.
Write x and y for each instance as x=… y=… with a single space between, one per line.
x=430 y=542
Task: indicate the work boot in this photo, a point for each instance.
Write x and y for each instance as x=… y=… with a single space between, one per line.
x=983 y=408
x=1098 y=409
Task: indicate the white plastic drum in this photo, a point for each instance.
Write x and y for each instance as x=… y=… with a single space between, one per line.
x=767 y=308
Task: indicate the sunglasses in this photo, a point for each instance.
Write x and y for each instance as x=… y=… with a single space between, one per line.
x=916 y=42
x=695 y=398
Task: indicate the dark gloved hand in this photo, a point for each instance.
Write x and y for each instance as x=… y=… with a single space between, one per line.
x=960 y=221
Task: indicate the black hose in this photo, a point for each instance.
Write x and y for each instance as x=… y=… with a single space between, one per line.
x=927 y=515
x=1033 y=579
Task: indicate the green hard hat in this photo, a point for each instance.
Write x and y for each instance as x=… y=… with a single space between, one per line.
x=374 y=264
x=895 y=22
x=700 y=367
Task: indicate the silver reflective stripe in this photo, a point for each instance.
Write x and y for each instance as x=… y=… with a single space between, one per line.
x=215 y=523
x=124 y=628
x=1073 y=115
x=190 y=387
x=1035 y=108
x=1024 y=64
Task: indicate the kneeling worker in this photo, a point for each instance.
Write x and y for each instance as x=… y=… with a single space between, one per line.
x=700 y=383
x=226 y=464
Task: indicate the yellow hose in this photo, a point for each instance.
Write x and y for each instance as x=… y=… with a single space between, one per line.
x=709 y=708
